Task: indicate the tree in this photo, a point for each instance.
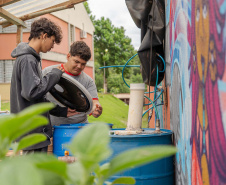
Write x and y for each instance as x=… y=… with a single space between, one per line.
x=98 y=77
x=116 y=84
x=113 y=39
x=86 y=5
x=112 y=47
x=119 y=46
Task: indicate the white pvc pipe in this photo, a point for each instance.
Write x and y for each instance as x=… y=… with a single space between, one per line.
x=135 y=107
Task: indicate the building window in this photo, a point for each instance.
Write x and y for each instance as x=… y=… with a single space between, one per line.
x=6 y=68
x=72 y=34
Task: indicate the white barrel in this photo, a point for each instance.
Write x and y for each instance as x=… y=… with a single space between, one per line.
x=135 y=107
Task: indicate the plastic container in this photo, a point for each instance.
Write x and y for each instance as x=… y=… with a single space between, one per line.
x=159 y=172
x=62 y=136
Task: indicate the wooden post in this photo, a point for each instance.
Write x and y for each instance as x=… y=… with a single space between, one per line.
x=19 y=35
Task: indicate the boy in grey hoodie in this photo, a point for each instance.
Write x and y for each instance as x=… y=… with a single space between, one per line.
x=28 y=86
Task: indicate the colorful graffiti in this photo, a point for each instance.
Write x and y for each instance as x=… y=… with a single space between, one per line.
x=197 y=49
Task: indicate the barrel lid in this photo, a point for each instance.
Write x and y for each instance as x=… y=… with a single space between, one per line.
x=70 y=93
x=165 y=132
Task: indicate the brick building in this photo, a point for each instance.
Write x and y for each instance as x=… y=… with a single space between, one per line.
x=76 y=25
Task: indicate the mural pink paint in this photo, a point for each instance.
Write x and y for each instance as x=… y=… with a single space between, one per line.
x=203 y=27
x=207 y=67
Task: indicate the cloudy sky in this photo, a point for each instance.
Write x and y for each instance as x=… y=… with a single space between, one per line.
x=118 y=13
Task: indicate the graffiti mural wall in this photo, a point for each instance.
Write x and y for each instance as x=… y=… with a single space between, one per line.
x=196 y=33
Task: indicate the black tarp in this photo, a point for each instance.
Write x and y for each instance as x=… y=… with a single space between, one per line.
x=149 y=16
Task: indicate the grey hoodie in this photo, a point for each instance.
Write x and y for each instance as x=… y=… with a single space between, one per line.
x=28 y=87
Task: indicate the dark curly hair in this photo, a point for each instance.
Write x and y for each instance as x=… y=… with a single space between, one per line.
x=44 y=25
x=80 y=49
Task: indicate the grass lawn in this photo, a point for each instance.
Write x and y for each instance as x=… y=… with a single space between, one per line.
x=5 y=106
x=115 y=111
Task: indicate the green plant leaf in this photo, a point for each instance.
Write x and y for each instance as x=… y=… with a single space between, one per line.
x=90 y=144
x=58 y=167
x=14 y=146
x=139 y=156
x=5 y=118
x=76 y=172
x=50 y=178
x=30 y=140
x=4 y=146
x=90 y=180
x=104 y=169
x=11 y=124
x=40 y=157
x=36 y=109
x=50 y=164
x=124 y=180
x=19 y=172
x=29 y=125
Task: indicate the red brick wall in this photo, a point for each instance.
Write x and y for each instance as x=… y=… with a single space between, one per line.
x=63 y=46
x=46 y=63
x=8 y=43
x=89 y=71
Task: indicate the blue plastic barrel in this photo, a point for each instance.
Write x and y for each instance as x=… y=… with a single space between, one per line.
x=160 y=172
x=62 y=136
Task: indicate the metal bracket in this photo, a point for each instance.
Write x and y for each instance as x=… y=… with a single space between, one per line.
x=165 y=96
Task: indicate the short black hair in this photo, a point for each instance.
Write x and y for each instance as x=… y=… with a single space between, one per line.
x=81 y=49
x=44 y=25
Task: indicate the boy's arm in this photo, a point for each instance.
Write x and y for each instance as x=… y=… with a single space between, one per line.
x=59 y=111
x=34 y=87
x=66 y=112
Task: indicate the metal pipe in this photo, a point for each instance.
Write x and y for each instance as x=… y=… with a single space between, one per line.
x=157 y=127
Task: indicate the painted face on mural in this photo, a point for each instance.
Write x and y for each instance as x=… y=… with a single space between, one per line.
x=202 y=36
x=204 y=135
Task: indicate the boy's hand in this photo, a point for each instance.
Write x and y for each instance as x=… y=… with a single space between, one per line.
x=61 y=68
x=97 y=111
x=71 y=112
